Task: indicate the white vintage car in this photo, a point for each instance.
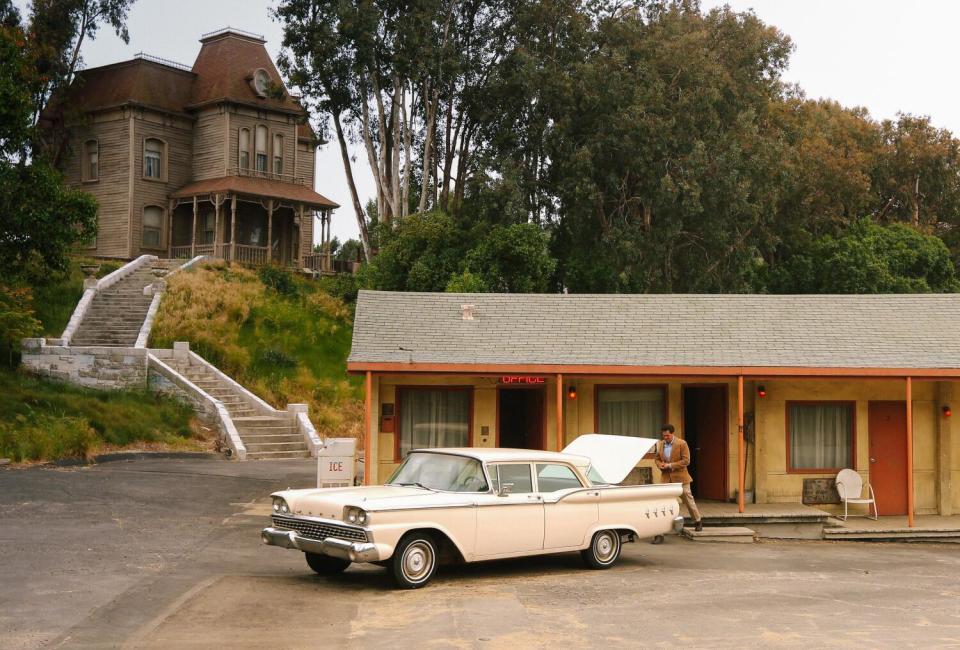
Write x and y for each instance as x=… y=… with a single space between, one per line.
x=473 y=504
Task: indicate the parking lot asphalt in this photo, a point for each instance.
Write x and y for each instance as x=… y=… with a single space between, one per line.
x=166 y=554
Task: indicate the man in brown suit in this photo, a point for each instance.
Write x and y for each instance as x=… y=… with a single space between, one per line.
x=672 y=457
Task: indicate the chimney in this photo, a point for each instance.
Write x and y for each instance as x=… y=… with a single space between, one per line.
x=466 y=311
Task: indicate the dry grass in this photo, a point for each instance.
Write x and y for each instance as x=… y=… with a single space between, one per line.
x=286 y=347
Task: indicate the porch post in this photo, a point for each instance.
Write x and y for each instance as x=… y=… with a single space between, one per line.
x=368 y=468
x=233 y=228
x=910 y=452
x=216 y=226
x=172 y=207
x=944 y=450
x=270 y=231
x=193 y=232
x=559 y=412
x=299 y=237
x=329 y=238
x=741 y=467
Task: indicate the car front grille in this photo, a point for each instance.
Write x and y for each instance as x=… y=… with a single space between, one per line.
x=318 y=529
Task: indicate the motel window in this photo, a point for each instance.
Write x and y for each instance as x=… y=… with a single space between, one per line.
x=820 y=436
x=278 y=154
x=637 y=411
x=430 y=417
x=153 y=150
x=261 y=147
x=91 y=160
x=244 y=146
x=152 y=226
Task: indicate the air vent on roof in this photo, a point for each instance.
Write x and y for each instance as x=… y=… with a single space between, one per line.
x=466 y=311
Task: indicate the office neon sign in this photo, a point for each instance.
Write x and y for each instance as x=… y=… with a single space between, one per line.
x=522 y=380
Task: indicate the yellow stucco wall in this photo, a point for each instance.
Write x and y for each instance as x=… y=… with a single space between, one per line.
x=766 y=470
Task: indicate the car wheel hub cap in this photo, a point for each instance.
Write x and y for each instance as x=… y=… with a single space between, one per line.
x=605 y=547
x=417 y=561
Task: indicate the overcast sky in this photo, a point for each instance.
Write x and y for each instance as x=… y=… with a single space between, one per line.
x=886 y=55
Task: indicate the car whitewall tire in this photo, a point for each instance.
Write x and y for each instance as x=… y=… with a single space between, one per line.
x=414 y=561
x=604 y=550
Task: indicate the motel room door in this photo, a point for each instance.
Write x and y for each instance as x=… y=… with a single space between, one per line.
x=705 y=430
x=520 y=417
x=887 y=423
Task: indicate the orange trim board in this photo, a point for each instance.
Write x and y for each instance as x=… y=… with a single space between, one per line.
x=706 y=371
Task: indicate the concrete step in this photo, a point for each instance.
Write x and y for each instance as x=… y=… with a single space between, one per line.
x=258 y=447
x=881 y=534
x=277 y=455
x=261 y=421
x=273 y=437
x=729 y=534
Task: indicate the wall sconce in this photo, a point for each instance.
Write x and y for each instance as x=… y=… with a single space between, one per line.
x=947 y=412
x=761 y=391
x=572 y=392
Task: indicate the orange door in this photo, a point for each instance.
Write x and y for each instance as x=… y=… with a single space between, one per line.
x=888 y=456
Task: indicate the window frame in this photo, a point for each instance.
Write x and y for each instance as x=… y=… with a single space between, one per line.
x=496 y=464
x=276 y=157
x=852 y=404
x=536 y=476
x=240 y=149
x=266 y=150
x=398 y=409
x=164 y=150
x=161 y=243
x=664 y=390
x=85 y=175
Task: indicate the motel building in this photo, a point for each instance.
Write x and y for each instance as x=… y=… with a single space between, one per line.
x=774 y=394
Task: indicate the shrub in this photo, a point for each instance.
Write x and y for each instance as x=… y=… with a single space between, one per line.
x=43 y=436
x=279 y=279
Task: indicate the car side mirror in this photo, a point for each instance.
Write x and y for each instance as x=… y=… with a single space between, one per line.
x=505 y=489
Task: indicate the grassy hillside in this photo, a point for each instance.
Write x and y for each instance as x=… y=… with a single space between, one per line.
x=278 y=334
x=55 y=300
x=43 y=420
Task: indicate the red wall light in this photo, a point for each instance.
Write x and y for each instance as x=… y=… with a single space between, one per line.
x=761 y=391
x=572 y=392
x=947 y=412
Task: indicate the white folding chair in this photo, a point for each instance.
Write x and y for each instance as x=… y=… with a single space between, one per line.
x=850 y=489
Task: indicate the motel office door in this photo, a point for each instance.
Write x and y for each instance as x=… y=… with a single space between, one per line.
x=520 y=419
x=705 y=430
x=888 y=455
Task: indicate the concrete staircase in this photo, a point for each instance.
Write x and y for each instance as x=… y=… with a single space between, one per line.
x=117 y=313
x=265 y=436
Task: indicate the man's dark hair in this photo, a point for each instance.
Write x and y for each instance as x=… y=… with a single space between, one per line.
x=666 y=427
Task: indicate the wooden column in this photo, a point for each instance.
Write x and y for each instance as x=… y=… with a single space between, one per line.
x=172 y=207
x=368 y=468
x=329 y=239
x=193 y=232
x=296 y=249
x=216 y=226
x=910 y=452
x=559 y=412
x=270 y=231
x=233 y=228
x=741 y=465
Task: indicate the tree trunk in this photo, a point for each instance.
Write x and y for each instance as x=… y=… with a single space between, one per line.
x=430 y=112
x=348 y=169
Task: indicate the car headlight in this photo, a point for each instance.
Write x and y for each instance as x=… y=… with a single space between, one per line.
x=354 y=515
x=280 y=506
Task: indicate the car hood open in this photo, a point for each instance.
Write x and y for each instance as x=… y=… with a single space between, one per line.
x=611 y=456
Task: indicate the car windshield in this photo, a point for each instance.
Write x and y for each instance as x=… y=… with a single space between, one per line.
x=444 y=472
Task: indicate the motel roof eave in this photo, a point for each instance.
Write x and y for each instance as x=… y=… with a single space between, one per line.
x=582 y=370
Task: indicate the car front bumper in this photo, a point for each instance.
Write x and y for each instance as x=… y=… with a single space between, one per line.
x=339 y=548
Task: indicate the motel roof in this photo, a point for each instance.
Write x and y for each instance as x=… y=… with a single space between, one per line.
x=699 y=334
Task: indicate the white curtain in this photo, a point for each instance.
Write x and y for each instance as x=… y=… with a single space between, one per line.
x=634 y=412
x=821 y=436
x=433 y=418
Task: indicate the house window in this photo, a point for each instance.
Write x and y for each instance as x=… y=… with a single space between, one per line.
x=278 y=154
x=637 y=411
x=820 y=436
x=431 y=417
x=91 y=160
x=209 y=226
x=153 y=159
x=261 y=146
x=244 y=148
x=152 y=226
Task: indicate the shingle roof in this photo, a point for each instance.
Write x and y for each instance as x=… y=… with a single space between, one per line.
x=252 y=186
x=836 y=331
x=140 y=81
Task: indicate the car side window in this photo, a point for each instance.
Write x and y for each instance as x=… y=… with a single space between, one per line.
x=552 y=478
x=516 y=473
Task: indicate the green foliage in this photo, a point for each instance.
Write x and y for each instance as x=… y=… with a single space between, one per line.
x=513 y=259
x=869 y=258
x=279 y=279
x=420 y=254
x=466 y=282
x=16 y=320
x=50 y=420
x=56 y=296
x=342 y=286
